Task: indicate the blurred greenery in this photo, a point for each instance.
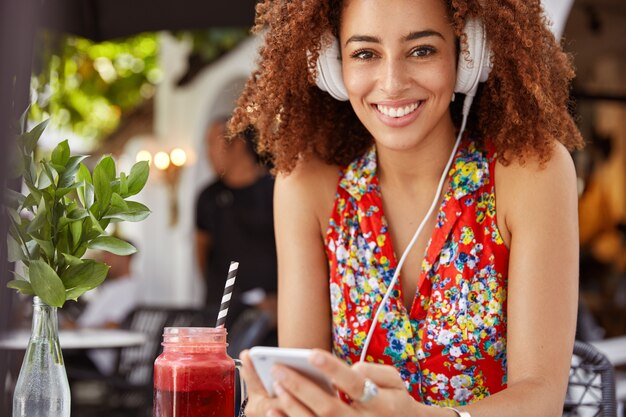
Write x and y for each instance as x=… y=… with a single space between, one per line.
x=212 y=44
x=87 y=87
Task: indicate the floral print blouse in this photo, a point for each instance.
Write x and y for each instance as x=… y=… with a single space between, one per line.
x=450 y=349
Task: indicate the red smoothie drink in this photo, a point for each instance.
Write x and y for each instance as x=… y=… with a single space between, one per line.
x=194 y=376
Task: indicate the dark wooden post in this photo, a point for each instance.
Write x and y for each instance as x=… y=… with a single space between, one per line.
x=18 y=24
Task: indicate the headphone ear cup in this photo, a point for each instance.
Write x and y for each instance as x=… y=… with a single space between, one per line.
x=475 y=64
x=329 y=75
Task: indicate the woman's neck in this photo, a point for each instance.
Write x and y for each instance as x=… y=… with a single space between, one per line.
x=411 y=169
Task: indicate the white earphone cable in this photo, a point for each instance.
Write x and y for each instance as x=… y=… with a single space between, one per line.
x=466 y=106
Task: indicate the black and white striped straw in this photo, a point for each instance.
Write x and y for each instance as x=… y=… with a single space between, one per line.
x=228 y=292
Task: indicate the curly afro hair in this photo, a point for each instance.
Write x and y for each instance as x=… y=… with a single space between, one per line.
x=522 y=109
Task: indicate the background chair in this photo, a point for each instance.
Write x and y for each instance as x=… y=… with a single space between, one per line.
x=591 y=388
x=250 y=329
x=128 y=392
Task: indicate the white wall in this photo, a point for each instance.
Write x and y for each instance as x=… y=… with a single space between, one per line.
x=166 y=262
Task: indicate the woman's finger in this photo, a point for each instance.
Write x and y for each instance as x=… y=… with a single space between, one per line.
x=290 y=404
x=303 y=393
x=259 y=402
x=253 y=382
x=382 y=375
x=344 y=378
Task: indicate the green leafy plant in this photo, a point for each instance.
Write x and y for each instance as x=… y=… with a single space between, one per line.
x=65 y=212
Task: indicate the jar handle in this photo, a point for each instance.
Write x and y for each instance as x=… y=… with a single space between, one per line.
x=244 y=392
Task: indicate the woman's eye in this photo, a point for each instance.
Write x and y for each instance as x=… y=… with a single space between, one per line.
x=423 y=51
x=362 y=54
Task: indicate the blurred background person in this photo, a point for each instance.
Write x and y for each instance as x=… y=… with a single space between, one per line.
x=234 y=222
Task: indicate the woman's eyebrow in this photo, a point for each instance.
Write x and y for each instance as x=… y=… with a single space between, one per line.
x=363 y=38
x=423 y=34
x=410 y=37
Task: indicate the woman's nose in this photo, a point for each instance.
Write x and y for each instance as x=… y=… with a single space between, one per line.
x=393 y=77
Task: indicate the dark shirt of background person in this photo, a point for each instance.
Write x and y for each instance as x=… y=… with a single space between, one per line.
x=234 y=222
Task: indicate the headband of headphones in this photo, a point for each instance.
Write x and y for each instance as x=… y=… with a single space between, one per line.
x=473 y=68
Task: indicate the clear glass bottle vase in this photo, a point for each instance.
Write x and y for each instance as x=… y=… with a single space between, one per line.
x=42 y=389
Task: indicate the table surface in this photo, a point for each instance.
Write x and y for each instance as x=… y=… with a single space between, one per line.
x=78 y=339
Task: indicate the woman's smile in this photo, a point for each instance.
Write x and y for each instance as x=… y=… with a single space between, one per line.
x=398 y=114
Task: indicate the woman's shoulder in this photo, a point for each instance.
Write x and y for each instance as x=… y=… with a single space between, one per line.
x=312 y=183
x=523 y=188
x=308 y=172
x=532 y=172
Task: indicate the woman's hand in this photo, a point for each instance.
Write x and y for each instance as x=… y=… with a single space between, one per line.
x=300 y=397
x=259 y=401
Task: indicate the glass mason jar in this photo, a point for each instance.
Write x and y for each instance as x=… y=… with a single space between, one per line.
x=194 y=376
x=42 y=389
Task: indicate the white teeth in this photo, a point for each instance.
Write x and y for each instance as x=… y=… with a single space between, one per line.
x=397 y=111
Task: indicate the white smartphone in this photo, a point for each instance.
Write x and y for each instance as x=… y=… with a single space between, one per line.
x=264 y=358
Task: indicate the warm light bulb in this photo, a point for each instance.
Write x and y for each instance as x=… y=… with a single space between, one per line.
x=144 y=155
x=178 y=157
x=161 y=160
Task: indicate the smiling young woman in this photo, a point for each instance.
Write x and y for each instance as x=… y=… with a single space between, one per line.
x=392 y=246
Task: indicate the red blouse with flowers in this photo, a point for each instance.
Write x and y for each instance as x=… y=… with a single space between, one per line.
x=450 y=349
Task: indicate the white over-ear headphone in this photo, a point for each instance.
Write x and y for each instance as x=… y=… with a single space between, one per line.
x=474 y=65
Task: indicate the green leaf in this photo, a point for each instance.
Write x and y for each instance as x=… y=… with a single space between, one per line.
x=46 y=283
x=102 y=182
x=46 y=246
x=76 y=292
x=29 y=139
x=123 y=184
x=78 y=214
x=20 y=277
x=137 y=178
x=91 y=231
x=76 y=228
x=33 y=248
x=71 y=170
x=89 y=273
x=83 y=174
x=95 y=224
x=61 y=153
x=135 y=212
x=104 y=223
x=32 y=199
x=71 y=260
x=14 y=215
x=113 y=245
x=44 y=179
x=62 y=245
x=86 y=194
x=63 y=221
x=51 y=174
x=107 y=165
x=21 y=286
x=15 y=233
x=62 y=192
x=80 y=251
x=118 y=202
x=13 y=199
x=58 y=168
x=40 y=218
x=15 y=251
x=23 y=120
